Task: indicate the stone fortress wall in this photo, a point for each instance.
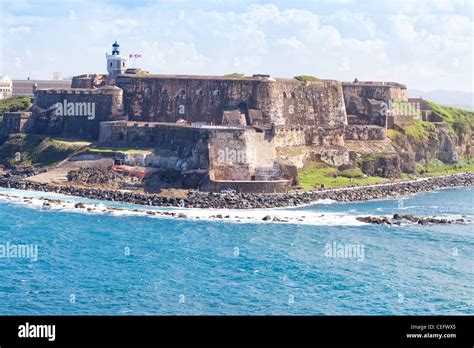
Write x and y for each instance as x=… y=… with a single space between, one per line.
x=263 y=101
x=230 y=127
x=230 y=153
x=235 y=129
x=239 y=130
x=15 y=122
x=366 y=101
x=89 y=81
x=77 y=121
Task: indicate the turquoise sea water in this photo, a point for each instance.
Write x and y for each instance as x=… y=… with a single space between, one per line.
x=129 y=265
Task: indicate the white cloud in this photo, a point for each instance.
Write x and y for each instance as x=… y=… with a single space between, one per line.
x=20 y=30
x=418 y=42
x=352 y=24
x=291 y=42
x=344 y=64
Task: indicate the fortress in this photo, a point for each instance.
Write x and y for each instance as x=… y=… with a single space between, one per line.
x=238 y=132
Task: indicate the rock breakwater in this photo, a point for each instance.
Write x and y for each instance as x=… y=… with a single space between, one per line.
x=227 y=200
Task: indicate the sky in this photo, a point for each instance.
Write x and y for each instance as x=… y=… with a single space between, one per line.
x=426 y=44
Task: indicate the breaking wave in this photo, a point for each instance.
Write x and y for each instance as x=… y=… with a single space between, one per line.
x=58 y=202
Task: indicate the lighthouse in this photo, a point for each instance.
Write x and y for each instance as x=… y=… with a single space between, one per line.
x=116 y=64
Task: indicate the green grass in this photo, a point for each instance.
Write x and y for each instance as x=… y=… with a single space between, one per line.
x=304 y=79
x=420 y=130
x=436 y=167
x=459 y=120
x=234 y=76
x=49 y=151
x=64 y=142
x=26 y=150
x=351 y=173
x=318 y=174
x=393 y=133
x=130 y=151
x=14 y=104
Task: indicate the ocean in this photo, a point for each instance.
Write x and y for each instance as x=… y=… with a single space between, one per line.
x=67 y=261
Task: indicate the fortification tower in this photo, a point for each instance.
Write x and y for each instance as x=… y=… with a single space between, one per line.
x=116 y=64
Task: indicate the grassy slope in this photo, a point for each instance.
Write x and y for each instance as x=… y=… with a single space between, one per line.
x=318 y=173
x=419 y=130
x=458 y=119
x=36 y=150
x=436 y=167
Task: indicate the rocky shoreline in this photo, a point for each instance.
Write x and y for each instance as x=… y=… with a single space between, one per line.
x=398 y=219
x=251 y=200
x=287 y=217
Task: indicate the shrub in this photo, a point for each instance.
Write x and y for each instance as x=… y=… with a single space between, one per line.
x=393 y=133
x=352 y=173
x=234 y=75
x=14 y=104
x=304 y=79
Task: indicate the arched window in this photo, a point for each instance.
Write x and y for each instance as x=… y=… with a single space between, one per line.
x=293 y=95
x=110 y=64
x=284 y=95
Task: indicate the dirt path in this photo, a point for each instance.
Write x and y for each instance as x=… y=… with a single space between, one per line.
x=58 y=175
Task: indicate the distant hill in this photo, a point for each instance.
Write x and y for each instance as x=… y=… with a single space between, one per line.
x=459 y=99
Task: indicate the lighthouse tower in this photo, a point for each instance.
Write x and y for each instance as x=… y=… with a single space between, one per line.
x=116 y=64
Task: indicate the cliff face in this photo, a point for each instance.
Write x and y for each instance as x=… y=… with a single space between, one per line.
x=442 y=144
x=419 y=131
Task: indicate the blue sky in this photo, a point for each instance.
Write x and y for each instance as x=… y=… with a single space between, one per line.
x=426 y=44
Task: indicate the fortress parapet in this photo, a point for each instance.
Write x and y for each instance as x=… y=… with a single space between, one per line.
x=366 y=101
x=214 y=100
x=76 y=112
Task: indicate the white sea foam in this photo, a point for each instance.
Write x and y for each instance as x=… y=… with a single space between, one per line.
x=57 y=202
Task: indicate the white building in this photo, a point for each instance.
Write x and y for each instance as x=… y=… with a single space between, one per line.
x=6 y=87
x=116 y=64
